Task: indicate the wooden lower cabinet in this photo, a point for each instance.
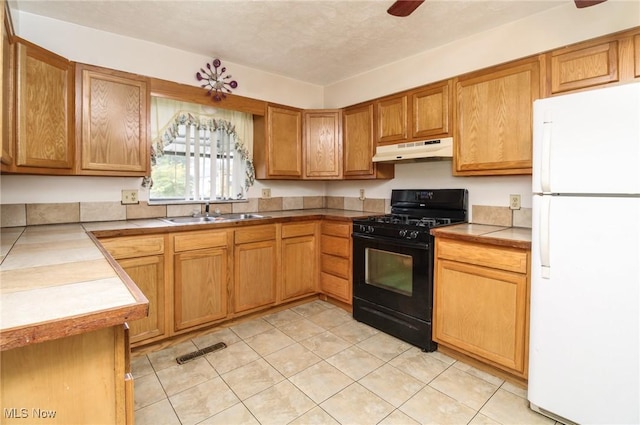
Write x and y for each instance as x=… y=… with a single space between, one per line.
x=195 y=279
x=255 y=268
x=200 y=278
x=335 y=260
x=80 y=379
x=200 y=287
x=299 y=272
x=481 y=298
x=148 y=275
x=143 y=259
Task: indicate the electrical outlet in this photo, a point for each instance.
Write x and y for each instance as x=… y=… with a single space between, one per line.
x=130 y=197
x=514 y=202
x=266 y=193
x=362 y=198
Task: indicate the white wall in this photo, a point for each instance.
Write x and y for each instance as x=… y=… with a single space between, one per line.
x=491 y=190
x=556 y=27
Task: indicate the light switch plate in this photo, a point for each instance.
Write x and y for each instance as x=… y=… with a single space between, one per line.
x=266 y=193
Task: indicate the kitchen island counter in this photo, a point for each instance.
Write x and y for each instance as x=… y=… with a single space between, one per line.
x=56 y=281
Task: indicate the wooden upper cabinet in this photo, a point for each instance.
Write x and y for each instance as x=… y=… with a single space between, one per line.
x=583 y=66
x=322 y=144
x=431 y=112
x=113 y=129
x=359 y=145
x=392 y=119
x=494 y=110
x=44 y=118
x=278 y=143
x=7 y=96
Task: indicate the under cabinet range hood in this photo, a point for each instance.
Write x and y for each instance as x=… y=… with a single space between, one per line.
x=424 y=150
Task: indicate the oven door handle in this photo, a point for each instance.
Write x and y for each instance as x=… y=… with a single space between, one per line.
x=398 y=242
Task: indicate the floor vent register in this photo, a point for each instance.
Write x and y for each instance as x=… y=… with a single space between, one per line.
x=206 y=350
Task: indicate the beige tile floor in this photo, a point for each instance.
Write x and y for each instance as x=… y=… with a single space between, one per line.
x=313 y=364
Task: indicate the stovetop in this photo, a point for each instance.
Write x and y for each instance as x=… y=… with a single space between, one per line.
x=408 y=220
x=414 y=212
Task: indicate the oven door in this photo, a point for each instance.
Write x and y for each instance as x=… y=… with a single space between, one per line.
x=394 y=273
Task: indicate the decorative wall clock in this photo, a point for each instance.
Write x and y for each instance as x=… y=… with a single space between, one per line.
x=216 y=81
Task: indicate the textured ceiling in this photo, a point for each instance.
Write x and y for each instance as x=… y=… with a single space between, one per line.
x=319 y=42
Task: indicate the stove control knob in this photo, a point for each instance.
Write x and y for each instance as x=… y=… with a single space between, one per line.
x=370 y=229
x=403 y=233
x=362 y=228
x=413 y=234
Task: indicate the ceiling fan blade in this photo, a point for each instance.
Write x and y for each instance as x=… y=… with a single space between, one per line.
x=586 y=3
x=404 y=7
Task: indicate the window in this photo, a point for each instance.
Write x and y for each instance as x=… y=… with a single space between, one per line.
x=199 y=154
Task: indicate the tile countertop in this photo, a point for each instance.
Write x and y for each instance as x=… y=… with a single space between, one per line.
x=515 y=237
x=57 y=281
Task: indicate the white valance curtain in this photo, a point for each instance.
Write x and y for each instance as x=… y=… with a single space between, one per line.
x=231 y=135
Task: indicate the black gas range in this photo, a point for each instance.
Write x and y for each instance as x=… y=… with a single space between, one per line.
x=393 y=262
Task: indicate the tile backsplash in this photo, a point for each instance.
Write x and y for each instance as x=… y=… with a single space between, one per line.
x=501 y=216
x=13 y=215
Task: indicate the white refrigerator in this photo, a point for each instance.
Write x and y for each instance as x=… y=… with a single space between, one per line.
x=584 y=356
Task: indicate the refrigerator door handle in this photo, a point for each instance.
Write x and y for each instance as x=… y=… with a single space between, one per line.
x=545 y=165
x=545 y=235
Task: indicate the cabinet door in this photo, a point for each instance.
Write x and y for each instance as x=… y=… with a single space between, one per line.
x=494 y=120
x=44 y=116
x=482 y=311
x=200 y=287
x=255 y=274
x=359 y=145
x=584 y=66
x=148 y=275
x=299 y=270
x=114 y=122
x=358 y=141
x=323 y=144
x=7 y=56
x=431 y=112
x=392 y=119
x=284 y=142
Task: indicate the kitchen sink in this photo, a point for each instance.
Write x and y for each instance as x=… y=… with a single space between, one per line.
x=212 y=219
x=194 y=220
x=242 y=216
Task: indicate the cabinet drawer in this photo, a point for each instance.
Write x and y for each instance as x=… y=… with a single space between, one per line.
x=335 y=246
x=130 y=247
x=255 y=234
x=335 y=286
x=503 y=258
x=336 y=229
x=336 y=266
x=298 y=229
x=199 y=240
